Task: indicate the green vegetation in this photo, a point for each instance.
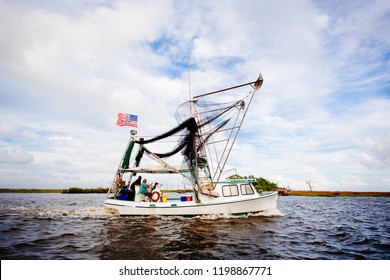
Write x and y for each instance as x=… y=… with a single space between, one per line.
x=80 y=190
x=70 y=190
x=260 y=184
x=30 y=191
x=336 y=194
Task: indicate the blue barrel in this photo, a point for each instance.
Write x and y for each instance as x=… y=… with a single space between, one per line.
x=183 y=198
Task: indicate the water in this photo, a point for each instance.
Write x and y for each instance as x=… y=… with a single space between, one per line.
x=78 y=227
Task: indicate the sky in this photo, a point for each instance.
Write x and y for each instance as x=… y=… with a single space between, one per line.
x=67 y=68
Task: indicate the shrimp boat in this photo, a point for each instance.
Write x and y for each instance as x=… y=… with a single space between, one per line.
x=205 y=135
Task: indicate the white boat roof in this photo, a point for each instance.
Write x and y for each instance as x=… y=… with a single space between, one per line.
x=157 y=169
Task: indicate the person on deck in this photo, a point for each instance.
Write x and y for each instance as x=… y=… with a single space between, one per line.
x=155 y=187
x=119 y=181
x=132 y=188
x=144 y=189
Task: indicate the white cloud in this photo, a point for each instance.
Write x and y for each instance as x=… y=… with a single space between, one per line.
x=353 y=182
x=16 y=155
x=67 y=69
x=376 y=154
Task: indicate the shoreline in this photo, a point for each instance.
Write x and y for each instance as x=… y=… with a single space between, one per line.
x=281 y=192
x=7 y=190
x=71 y=190
x=332 y=193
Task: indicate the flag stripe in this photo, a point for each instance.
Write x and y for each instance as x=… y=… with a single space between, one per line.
x=127 y=120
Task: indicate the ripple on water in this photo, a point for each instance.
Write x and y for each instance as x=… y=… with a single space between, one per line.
x=57 y=227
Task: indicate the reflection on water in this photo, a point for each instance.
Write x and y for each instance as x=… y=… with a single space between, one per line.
x=77 y=226
x=186 y=238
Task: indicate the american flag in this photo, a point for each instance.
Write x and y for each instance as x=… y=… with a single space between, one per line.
x=127 y=120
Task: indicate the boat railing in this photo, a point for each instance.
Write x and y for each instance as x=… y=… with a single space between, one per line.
x=236 y=181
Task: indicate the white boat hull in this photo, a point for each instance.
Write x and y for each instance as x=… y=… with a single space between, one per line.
x=231 y=206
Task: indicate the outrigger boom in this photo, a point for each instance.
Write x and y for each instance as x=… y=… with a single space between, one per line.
x=256 y=85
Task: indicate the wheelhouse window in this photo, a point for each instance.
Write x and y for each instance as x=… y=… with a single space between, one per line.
x=230 y=190
x=246 y=189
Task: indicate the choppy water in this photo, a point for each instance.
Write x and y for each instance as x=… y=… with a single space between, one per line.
x=77 y=226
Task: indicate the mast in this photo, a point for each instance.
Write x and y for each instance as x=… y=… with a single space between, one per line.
x=189 y=85
x=256 y=86
x=222 y=157
x=193 y=114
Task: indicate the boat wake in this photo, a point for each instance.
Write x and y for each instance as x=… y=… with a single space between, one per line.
x=266 y=213
x=273 y=212
x=58 y=212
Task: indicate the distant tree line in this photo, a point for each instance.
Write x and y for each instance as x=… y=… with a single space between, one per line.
x=261 y=183
x=81 y=190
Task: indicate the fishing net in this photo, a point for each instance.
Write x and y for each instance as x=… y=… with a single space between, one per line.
x=195 y=132
x=204 y=126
